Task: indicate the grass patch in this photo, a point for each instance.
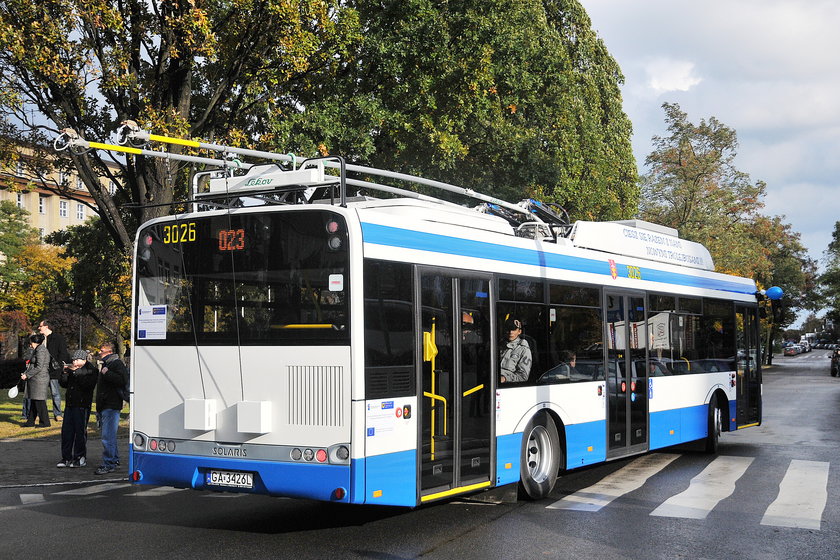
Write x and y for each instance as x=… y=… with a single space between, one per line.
x=11 y=422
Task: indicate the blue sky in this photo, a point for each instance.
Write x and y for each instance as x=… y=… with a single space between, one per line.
x=769 y=69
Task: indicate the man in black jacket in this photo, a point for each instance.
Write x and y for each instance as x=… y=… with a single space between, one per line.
x=57 y=347
x=112 y=377
x=79 y=378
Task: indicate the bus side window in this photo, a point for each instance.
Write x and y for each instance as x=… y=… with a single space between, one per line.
x=389 y=330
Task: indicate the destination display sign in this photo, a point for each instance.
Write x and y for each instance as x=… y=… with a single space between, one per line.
x=631 y=241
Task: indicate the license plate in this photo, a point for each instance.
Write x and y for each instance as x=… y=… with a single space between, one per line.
x=230 y=478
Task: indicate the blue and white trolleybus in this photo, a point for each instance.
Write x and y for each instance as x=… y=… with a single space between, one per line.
x=295 y=336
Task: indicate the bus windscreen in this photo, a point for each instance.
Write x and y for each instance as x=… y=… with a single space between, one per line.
x=244 y=278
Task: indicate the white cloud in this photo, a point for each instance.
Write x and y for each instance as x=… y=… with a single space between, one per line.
x=666 y=75
x=768 y=69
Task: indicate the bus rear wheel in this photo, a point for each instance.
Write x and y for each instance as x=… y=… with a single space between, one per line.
x=715 y=426
x=540 y=458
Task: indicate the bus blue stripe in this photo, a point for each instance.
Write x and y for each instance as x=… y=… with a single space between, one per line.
x=586 y=444
x=733 y=414
x=508 y=449
x=679 y=425
x=423 y=241
x=390 y=479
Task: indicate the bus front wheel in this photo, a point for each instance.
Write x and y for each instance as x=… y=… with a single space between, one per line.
x=540 y=457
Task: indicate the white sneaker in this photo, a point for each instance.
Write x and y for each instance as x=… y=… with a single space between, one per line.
x=63 y=464
x=82 y=461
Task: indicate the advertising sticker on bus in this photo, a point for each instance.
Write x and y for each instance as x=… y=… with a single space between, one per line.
x=151 y=322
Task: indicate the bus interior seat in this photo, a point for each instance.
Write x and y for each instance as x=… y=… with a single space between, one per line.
x=536 y=370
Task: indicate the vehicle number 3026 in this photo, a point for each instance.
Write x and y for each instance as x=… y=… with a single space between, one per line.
x=179 y=233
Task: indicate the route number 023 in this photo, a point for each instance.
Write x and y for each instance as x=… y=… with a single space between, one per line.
x=231 y=239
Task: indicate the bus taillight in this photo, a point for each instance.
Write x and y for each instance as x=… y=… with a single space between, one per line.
x=334 y=242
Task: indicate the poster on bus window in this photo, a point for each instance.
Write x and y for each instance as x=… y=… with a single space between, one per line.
x=151 y=322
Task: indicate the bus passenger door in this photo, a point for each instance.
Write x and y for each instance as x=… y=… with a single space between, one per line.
x=748 y=378
x=457 y=373
x=627 y=374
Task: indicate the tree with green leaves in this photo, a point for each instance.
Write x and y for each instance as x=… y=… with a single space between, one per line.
x=217 y=70
x=829 y=280
x=694 y=186
x=15 y=235
x=33 y=275
x=43 y=280
x=511 y=98
x=101 y=280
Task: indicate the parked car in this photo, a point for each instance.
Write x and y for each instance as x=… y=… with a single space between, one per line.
x=790 y=350
x=806 y=346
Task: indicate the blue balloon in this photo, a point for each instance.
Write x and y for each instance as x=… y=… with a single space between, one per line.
x=775 y=293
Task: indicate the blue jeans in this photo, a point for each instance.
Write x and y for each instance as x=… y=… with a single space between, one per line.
x=56 y=396
x=109 y=420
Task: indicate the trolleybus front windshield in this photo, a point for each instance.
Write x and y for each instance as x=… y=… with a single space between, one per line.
x=249 y=278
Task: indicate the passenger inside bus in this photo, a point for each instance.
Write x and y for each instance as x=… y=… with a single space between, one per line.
x=569 y=358
x=564 y=372
x=515 y=354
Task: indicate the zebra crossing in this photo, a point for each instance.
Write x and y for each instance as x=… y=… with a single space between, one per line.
x=800 y=502
x=803 y=491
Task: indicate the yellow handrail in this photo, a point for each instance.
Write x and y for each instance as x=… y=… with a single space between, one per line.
x=473 y=390
x=430 y=353
x=437 y=398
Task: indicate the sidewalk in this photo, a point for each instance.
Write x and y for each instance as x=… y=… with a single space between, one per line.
x=31 y=462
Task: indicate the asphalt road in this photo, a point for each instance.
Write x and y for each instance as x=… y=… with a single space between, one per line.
x=782 y=501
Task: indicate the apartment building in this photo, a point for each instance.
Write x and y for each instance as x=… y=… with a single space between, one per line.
x=48 y=211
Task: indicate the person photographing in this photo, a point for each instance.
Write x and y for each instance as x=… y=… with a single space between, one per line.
x=79 y=378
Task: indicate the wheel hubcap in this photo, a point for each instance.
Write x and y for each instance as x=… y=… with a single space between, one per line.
x=538 y=454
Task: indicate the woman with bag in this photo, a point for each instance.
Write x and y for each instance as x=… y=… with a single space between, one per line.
x=37 y=377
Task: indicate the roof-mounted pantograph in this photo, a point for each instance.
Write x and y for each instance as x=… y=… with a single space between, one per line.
x=301 y=173
x=293 y=180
